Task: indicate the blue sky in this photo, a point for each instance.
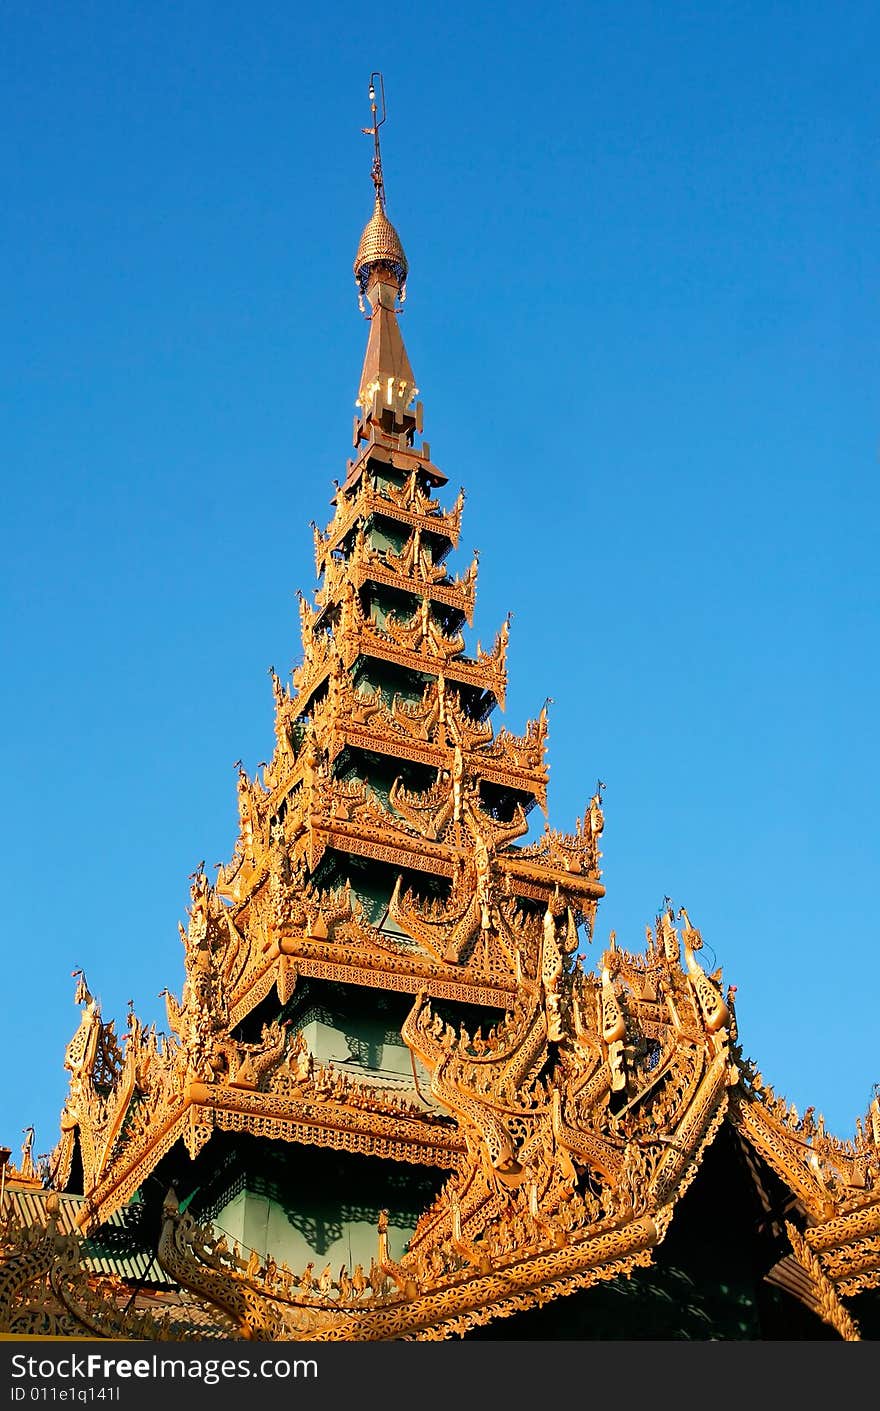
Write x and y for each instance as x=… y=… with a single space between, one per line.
x=642 y=311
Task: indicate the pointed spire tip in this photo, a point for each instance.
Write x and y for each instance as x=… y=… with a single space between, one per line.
x=380 y=246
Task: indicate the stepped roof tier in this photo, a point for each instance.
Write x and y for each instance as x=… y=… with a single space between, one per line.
x=386 y=1005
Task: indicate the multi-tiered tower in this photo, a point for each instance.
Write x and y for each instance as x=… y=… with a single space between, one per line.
x=376 y=857
x=392 y=1102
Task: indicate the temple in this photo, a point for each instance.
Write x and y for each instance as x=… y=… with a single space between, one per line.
x=396 y=1099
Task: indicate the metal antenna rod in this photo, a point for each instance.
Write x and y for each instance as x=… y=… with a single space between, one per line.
x=373 y=132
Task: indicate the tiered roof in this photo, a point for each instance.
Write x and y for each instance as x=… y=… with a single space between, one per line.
x=571 y=1119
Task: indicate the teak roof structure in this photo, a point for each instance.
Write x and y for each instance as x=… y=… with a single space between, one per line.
x=573 y=1126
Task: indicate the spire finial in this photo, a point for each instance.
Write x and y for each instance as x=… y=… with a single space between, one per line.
x=376 y=169
x=380 y=247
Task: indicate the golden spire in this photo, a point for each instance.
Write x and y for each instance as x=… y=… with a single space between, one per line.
x=380 y=270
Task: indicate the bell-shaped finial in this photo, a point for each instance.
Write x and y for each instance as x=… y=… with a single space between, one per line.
x=379 y=249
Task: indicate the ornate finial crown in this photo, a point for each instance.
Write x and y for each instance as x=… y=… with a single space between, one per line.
x=379 y=245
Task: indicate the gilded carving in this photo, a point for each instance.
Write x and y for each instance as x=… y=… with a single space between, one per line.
x=381 y=849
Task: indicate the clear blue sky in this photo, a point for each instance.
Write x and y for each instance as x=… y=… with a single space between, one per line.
x=643 y=315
